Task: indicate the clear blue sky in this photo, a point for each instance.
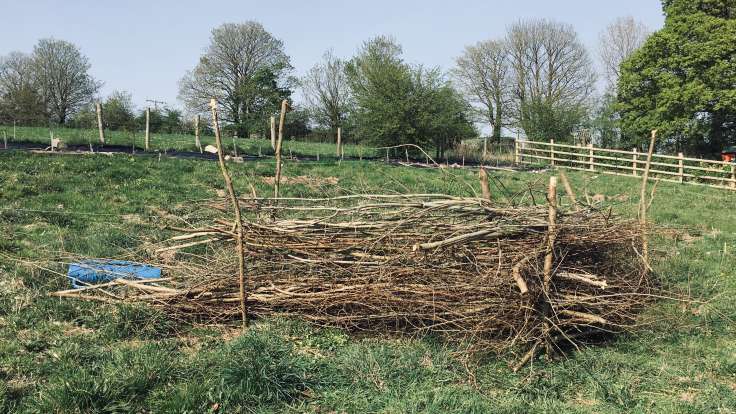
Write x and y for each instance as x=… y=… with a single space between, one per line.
x=145 y=47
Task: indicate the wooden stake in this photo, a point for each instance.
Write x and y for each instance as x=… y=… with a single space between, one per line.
x=148 y=127
x=282 y=117
x=634 y=159
x=590 y=157
x=681 y=167
x=5 y=138
x=273 y=132
x=485 y=147
x=568 y=190
x=643 y=203
x=517 y=158
x=197 y=141
x=100 y=128
x=733 y=175
x=549 y=259
x=406 y=152
x=484 y=187
x=551 y=231
x=236 y=208
x=14 y=130
x=51 y=137
x=552 y=152
x=339 y=141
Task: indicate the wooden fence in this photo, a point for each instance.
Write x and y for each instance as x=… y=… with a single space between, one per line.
x=678 y=169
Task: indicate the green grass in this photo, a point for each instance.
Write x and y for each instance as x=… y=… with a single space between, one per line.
x=60 y=355
x=163 y=142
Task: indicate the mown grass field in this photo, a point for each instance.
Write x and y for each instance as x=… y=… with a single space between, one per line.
x=60 y=355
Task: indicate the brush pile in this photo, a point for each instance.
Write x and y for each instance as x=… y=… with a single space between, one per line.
x=458 y=267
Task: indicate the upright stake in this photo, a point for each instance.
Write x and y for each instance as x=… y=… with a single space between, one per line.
x=517 y=158
x=282 y=116
x=549 y=257
x=386 y=154
x=5 y=138
x=568 y=190
x=551 y=231
x=552 y=152
x=273 y=132
x=485 y=147
x=634 y=159
x=590 y=157
x=484 y=187
x=14 y=130
x=236 y=207
x=339 y=141
x=681 y=167
x=197 y=141
x=643 y=204
x=100 y=128
x=406 y=152
x=51 y=137
x=733 y=175
x=148 y=128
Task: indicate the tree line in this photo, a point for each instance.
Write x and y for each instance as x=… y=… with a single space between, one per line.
x=538 y=81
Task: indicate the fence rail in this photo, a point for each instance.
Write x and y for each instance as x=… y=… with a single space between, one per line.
x=678 y=169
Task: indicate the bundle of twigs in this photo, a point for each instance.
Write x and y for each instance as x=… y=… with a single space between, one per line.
x=460 y=267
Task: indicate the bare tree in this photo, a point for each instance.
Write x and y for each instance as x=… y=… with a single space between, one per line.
x=238 y=56
x=327 y=92
x=61 y=73
x=483 y=74
x=617 y=42
x=553 y=75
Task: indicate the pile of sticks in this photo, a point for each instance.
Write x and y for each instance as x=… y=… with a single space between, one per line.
x=493 y=277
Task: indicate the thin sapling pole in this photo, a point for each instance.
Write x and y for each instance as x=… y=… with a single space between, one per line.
x=643 y=203
x=236 y=207
x=282 y=117
x=484 y=186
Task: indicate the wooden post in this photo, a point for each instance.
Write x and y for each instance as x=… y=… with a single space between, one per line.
x=387 y=155
x=236 y=208
x=552 y=152
x=273 y=132
x=339 y=141
x=484 y=186
x=100 y=128
x=569 y=191
x=680 y=167
x=551 y=229
x=148 y=127
x=643 y=203
x=51 y=137
x=517 y=158
x=485 y=147
x=5 y=138
x=282 y=117
x=197 y=141
x=634 y=159
x=549 y=258
x=14 y=138
x=406 y=153
x=590 y=157
x=733 y=175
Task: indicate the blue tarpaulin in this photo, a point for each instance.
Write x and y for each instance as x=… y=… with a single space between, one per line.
x=90 y=272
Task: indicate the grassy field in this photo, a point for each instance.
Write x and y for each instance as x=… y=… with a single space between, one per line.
x=61 y=355
x=160 y=142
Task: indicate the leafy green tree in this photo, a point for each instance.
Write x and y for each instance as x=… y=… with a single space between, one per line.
x=395 y=103
x=119 y=111
x=682 y=81
x=20 y=99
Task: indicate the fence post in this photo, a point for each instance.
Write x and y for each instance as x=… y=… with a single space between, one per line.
x=197 y=142
x=148 y=127
x=339 y=141
x=552 y=152
x=14 y=130
x=5 y=138
x=634 y=159
x=485 y=147
x=386 y=154
x=51 y=137
x=680 y=167
x=517 y=158
x=590 y=157
x=100 y=128
x=273 y=132
x=733 y=176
